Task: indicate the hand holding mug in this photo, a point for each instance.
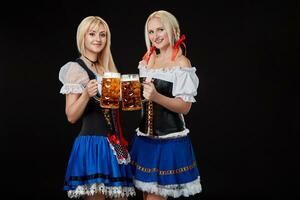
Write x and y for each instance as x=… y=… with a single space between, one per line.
x=149 y=91
x=92 y=87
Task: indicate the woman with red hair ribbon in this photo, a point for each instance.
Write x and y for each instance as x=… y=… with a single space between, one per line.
x=162 y=156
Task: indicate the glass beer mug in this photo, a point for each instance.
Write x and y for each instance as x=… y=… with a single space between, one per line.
x=110 y=90
x=131 y=92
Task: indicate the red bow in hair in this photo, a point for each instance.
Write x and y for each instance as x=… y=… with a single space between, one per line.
x=147 y=55
x=177 y=45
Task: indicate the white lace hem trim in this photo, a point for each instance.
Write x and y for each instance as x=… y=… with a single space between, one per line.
x=71 y=88
x=168 y=136
x=109 y=192
x=174 y=191
x=120 y=161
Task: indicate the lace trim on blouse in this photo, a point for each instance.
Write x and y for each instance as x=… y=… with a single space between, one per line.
x=74 y=78
x=71 y=88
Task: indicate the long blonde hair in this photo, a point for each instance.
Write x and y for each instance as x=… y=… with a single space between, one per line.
x=170 y=23
x=104 y=57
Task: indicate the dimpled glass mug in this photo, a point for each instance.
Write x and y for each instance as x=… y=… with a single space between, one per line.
x=110 y=90
x=131 y=92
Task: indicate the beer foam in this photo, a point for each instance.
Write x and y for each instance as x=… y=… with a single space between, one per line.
x=111 y=75
x=130 y=77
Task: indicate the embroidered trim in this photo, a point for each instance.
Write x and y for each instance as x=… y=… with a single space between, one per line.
x=110 y=192
x=149 y=120
x=107 y=117
x=164 y=172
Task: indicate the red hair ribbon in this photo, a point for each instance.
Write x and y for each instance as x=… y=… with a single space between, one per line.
x=147 y=55
x=177 y=45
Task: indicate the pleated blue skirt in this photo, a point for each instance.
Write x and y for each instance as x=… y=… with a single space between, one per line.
x=93 y=168
x=165 y=167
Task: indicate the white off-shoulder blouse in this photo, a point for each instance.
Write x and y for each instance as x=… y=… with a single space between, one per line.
x=184 y=79
x=185 y=84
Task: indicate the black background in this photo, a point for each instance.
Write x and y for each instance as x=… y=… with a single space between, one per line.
x=240 y=125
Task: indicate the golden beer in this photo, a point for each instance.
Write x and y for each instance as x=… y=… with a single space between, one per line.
x=131 y=92
x=110 y=90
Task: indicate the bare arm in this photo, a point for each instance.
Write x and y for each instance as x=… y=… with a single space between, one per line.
x=76 y=103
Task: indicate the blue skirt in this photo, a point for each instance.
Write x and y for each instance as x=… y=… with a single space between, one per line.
x=93 y=168
x=166 y=167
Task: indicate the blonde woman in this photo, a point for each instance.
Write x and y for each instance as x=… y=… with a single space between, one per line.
x=162 y=156
x=95 y=170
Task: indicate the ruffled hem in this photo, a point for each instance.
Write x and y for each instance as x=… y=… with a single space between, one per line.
x=71 y=88
x=108 y=191
x=166 y=69
x=168 y=136
x=187 y=98
x=175 y=191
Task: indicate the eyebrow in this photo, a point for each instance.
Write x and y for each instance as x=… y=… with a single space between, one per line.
x=161 y=27
x=94 y=31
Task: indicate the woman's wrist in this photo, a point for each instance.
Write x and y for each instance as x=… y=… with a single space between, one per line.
x=85 y=94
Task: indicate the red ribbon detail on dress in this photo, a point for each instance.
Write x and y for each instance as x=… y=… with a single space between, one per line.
x=118 y=126
x=177 y=45
x=147 y=55
x=113 y=139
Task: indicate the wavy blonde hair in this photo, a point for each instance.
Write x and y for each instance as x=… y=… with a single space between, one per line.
x=104 y=57
x=170 y=23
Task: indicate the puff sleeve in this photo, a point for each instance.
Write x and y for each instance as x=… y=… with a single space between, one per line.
x=185 y=84
x=73 y=77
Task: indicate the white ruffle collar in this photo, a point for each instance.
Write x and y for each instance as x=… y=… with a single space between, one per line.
x=166 y=69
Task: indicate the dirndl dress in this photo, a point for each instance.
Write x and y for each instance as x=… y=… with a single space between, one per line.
x=162 y=155
x=99 y=160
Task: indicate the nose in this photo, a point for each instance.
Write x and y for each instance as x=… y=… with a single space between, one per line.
x=98 y=37
x=155 y=35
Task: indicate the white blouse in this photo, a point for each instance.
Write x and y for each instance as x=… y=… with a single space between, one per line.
x=74 y=78
x=185 y=81
x=185 y=85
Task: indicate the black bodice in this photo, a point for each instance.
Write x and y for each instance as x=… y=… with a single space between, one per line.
x=158 y=120
x=96 y=120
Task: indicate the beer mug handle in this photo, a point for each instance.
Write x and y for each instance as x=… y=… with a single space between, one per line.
x=98 y=95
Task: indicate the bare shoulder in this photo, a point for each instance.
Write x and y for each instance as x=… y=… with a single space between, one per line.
x=183 y=61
